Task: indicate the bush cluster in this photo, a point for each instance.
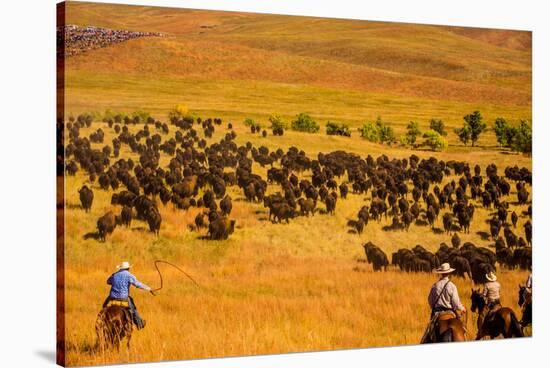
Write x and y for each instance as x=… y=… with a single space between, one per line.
x=334 y=128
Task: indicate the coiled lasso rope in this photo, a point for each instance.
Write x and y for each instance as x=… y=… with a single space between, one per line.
x=160 y=275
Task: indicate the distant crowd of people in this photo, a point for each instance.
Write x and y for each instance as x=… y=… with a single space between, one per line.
x=81 y=39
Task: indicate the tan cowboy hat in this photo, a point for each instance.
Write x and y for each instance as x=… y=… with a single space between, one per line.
x=491 y=276
x=444 y=268
x=123 y=266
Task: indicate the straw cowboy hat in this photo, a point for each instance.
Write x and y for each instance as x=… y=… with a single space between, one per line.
x=491 y=276
x=444 y=268
x=123 y=266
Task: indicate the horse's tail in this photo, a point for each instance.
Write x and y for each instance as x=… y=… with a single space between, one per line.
x=515 y=326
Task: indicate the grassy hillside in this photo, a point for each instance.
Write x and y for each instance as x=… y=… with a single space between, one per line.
x=236 y=65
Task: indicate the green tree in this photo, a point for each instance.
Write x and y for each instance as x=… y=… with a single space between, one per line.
x=413 y=131
x=385 y=132
x=473 y=127
x=378 y=132
x=438 y=126
x=277 y=122
x=369 y=132
x=305 y=123
x=523 y=139
x=435 y=141
x=463 y=134
x=501 y=129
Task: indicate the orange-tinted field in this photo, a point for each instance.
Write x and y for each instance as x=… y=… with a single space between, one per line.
x=270 y=287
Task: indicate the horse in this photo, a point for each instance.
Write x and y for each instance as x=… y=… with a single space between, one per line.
x=113 y=324
x=524 y=301
x=447 y=328
x=504 y=321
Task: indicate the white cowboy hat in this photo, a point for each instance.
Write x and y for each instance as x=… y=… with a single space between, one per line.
x=123 y=266
x=444 y=268
x=491 y=276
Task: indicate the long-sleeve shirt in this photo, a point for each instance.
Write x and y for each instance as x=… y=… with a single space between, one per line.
x=120 y=284
x=491 y=290
x=449 y=298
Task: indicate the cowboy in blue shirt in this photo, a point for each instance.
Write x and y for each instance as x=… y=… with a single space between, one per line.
x=120 y=282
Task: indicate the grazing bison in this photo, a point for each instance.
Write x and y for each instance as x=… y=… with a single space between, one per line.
x=514 y=218
x=221 y=228
x=153 y=218
x=330 y=203
x=307 y=206
x=358 y=225
x=448 y=222
x=455 y=241
x=106 y=224
x=523 y=196
x=226 y=205
x=528 y=231
x=126 y=216
x=200 y=220
x=343 y=190
x=376 y=257
x=461 y=266
x=124 y=198
x=282 y=211
x=86 y=197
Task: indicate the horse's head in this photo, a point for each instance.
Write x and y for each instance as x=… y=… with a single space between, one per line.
x=478 y=302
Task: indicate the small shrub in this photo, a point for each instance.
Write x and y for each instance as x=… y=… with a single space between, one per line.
x=413 y=132
x=435 y=141
x=178 y=112
x=437 y=125
x=522 y=141
x=304 y=123
x=277 y=122
x=334 y=128
x=503 y=132
x=369 y=132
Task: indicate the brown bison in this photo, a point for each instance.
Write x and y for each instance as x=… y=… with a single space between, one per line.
x=86 y=197
x=221 y=228
x=106 y=224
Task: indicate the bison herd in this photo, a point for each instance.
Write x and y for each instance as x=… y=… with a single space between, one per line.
x=468 y=260
x=197 y=170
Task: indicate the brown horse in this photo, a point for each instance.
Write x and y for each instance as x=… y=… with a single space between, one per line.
x=504 y=321
x=113 y=324
x=524 y=301
x=447 y=328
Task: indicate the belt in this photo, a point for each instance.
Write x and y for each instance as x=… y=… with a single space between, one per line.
x=120 y=303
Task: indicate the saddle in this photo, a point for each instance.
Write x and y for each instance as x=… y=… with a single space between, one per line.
x=430 y=334
x=444 y=316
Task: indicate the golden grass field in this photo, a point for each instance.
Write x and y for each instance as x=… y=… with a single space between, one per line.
x=273 y=288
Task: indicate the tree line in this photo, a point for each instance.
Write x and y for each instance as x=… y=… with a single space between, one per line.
x=517 y=138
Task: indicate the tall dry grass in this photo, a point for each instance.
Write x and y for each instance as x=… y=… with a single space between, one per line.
x=269 y=288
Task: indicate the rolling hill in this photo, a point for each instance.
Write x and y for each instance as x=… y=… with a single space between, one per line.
x=346 y=70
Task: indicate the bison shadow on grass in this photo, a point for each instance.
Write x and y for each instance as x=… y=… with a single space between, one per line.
x=483 y=235
x=92 y=235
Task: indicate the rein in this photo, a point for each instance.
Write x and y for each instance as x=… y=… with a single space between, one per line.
x=177 y=268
